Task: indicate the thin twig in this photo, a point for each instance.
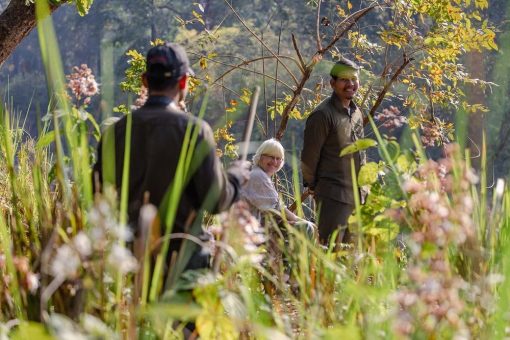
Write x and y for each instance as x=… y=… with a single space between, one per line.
x=431 y=103
x=318 y=26
x=298 y=53
x=238 y=67
x=345 y=26
x=263 y=44
x=264 y=83
x=276 y=73
x=387 y=86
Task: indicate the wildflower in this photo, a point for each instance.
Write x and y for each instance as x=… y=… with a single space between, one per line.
x=122 y=259
x=494 y=279
x=391 y=118
x=21 y=264
x=500 y=188
x=142 y=98
x=82 y=84
x=66 y=262
x=251 y=234
x=82 y=244
x=32 y=282
x=440 y=208
x=215 y=230
x=121 y=232
x=431 y=134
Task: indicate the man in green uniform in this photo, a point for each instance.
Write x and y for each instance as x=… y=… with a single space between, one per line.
x=334 y=124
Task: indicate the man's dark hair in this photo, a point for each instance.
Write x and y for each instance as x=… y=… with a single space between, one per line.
x=157 y=81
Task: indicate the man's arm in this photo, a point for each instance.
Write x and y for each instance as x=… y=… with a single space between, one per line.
x=260 y=192
x=316 y=131
x=216 y=188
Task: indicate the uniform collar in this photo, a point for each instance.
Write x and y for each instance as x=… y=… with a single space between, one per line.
x=158 y=101
x=337 y=103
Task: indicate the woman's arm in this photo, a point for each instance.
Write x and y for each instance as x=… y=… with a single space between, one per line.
x=291 y=217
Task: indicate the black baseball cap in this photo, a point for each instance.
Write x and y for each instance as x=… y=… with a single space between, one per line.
x=168 y=61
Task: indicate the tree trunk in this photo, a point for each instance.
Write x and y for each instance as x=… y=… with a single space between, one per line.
x=16 y=22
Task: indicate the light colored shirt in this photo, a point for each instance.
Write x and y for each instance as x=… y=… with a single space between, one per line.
x=260 y=192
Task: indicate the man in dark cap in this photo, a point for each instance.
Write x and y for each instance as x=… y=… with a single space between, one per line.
x=172 y=154
x=334 y=124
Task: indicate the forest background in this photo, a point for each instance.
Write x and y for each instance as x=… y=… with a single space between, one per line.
x=431 y=259
x=217 y=41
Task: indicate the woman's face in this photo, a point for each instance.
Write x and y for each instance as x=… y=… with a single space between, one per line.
x=270 y=164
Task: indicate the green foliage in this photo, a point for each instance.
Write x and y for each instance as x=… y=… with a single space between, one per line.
x=368 y=174
x=133 y=82
x=30 y=330
x=359 y=145
x=83 y=6
x=408 y=237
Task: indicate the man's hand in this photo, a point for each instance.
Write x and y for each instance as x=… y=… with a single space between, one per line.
x=311 y=193
x=240 y=169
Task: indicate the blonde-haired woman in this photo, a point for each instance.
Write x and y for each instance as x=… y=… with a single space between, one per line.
x=260 y=191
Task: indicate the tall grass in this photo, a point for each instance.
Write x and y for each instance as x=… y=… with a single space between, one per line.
x=298 y=290
x=273 y=281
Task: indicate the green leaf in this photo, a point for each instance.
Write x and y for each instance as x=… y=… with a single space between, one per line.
x=359 y=145
x=30 y=330
x=349 y=331
x=188 y=311
x=198 y=17
x=83 y=6
x=368 y=174
x=216 y=326
x=383 y=228
x=45 y=140
x=403 y=163
x=393 y=150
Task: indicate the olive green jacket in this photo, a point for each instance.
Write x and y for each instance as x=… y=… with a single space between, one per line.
x=329 y=129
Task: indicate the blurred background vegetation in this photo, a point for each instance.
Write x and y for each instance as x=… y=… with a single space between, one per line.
x=435 y=63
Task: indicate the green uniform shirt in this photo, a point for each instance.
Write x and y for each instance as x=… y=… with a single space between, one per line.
x=329 y=129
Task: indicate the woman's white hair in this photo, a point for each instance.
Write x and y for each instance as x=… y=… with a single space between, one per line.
x=270 y=147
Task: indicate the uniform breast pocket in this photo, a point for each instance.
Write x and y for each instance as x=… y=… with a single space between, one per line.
x=343 y=134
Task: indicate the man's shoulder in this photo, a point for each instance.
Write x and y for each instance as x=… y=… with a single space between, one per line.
x=168 y=116
x=323 y=109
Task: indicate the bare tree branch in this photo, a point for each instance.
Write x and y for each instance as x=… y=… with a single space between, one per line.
x=318 y=26
x=345 y=26
x=301 y=61
x=260 y=41
x=386 y=87
x=247 y=62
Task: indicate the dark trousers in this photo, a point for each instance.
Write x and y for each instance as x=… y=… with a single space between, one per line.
x=333 y=215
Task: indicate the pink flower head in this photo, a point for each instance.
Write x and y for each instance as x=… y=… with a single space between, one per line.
x=391 y=118
x=82 y=83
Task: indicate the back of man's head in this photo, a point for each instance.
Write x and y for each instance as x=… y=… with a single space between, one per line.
x=166 y=64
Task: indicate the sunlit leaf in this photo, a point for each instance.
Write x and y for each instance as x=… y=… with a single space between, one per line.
x=30 y=330
x=188 y=311
x=198 y=17
x=368 y=174
x=45 y=140
x=83 y=6
x=359 y=145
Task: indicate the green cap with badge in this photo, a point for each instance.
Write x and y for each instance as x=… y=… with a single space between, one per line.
x=344 y=68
